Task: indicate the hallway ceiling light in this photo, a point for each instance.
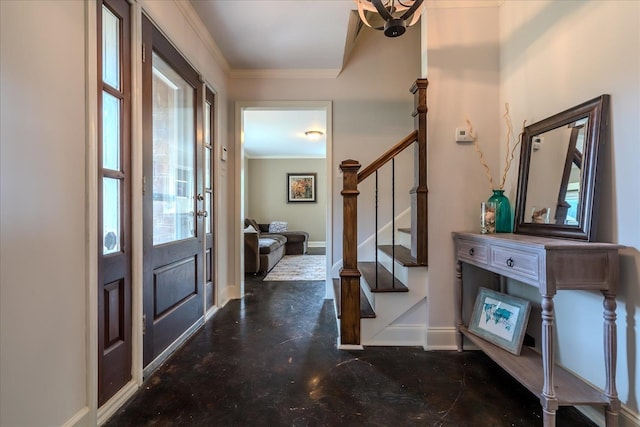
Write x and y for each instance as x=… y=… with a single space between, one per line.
x=314 y=135
x=392 y=16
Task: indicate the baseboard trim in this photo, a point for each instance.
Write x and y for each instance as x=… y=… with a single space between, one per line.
x=210 y=313
x=81 y=418
x=151 y=367
x=441 y=338
x=626 y=417
x=398 y=336
x=228 y=293
x=349 y=346
x=112 y=405
x=316 y=244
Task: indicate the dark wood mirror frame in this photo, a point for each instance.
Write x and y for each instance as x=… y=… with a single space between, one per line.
x=597 y=112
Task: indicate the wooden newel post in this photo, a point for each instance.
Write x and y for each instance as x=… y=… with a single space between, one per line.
x=349 y=274
x=419 y=206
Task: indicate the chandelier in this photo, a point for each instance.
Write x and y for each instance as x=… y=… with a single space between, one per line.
x=392 y=16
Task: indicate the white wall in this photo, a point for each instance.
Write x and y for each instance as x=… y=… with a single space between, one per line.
x=268 y=195
x=556 y=55
x=463 y=72
x=372 y=109
x=42 y=207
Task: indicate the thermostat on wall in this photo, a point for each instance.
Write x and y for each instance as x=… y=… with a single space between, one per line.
x=463 y=135
x=223 y=155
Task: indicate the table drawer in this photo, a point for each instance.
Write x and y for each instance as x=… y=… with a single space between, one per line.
x=517 y=263
x=472 y=252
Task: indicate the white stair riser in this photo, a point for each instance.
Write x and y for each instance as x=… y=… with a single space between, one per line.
x=414 y=278
x=403 y=239
x=391 y=306
x=407 y=275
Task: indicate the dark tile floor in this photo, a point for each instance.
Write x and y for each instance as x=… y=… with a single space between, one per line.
x=270 y=359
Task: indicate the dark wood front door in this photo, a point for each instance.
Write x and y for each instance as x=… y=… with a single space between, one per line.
x=173 y=214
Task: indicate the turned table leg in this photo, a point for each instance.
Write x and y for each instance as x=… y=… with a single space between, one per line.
x=610 y=353
x=458 y=304
x=548 y=398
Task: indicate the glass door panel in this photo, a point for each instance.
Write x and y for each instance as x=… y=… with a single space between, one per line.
x=208 y=185
x=110 y=131
x=110 y=48
x=111 y=215
x=173 y=155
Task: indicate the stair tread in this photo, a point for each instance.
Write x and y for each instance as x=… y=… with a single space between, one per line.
x=366 y=311
x=386 y=282
x=404 y=230
x=402 y=255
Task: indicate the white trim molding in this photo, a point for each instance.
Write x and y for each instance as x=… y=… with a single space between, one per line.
x=91 y=214
x=81 y=418
x=112 y=405
x=348 y=347
x=328 y=73
x=440 y=338
x=202 y=32
x=167 y=352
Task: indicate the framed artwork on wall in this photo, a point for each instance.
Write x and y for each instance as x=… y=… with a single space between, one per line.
x=301 y=188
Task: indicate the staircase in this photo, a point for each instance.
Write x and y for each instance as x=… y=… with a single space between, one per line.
x=381 y=299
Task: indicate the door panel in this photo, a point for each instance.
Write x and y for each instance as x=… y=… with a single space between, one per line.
x=173 y=284
x=173 y=233
x=208 y=279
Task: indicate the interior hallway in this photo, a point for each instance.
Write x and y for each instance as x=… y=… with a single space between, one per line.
x=270 y=359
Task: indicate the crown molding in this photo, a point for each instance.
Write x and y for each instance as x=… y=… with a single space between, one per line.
x=201 y=30
x=321 y=73
x=283 y=157
x=454 y=4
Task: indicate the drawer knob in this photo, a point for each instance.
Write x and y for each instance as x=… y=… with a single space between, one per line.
x=510 y=262
x=471 y=251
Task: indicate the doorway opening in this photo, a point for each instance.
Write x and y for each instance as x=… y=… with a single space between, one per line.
x=285 y=180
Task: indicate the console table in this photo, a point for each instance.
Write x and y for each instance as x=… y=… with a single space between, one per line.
x=550 y=265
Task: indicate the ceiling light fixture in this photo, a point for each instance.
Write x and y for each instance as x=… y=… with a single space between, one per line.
x=392 y=16
x=314 y=135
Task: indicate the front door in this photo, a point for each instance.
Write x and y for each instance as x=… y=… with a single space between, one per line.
x=173 y=211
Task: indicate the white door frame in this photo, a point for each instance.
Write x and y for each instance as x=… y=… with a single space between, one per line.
x=239 y=178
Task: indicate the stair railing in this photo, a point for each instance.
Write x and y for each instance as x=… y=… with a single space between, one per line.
x=349 y=274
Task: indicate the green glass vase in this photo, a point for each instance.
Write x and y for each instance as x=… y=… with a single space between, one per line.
x=504 y=223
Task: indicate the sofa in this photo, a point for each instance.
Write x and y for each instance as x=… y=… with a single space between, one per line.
x=263 y=249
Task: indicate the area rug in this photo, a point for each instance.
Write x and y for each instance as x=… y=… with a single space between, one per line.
x=298 y=267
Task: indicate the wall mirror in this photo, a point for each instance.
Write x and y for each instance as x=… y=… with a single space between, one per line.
x=557 y=182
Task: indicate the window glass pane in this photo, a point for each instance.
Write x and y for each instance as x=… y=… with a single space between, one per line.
x=110 y=215
x=207 y=123
x=209 y=208
x=207 y=167
x=173 y=155
x=110 y=48
x=110 y=131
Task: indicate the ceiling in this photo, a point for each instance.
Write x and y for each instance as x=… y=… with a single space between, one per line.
x=279 y=133
x=302 y=36
x=278 y=34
